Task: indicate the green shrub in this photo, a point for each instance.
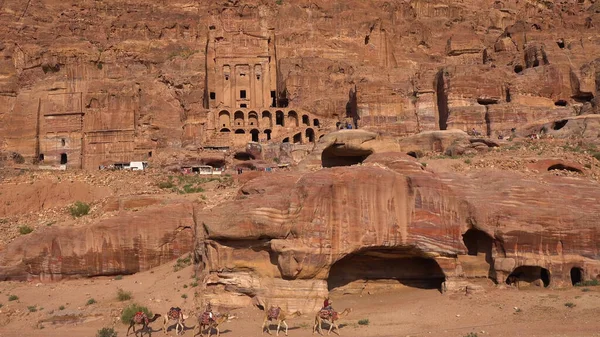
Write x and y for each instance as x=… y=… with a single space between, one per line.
x=588 y=283
x=194 y=284
x=471 y=334
x=62 y=307
x=569 y=304
x=106 y=332
x=119 y=277
x=182 y=263
x=166 y=184
x=32 y=308
x=79 y=209
x=131 y=310
x=123 y=295
x=25 y=230
x=184 y=296
x=90 y=301
x=13 y=298
x=596 y=155
x=364 y=321
x=467 y=161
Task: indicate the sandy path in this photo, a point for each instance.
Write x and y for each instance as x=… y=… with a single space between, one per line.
x=406 y=312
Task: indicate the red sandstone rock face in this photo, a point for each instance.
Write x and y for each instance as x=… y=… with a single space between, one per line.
x=312 y=231
x=293 y=237
x=135 y=71
x=115 y=246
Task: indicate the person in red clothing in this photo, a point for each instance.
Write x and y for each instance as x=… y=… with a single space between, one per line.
x=327 y=305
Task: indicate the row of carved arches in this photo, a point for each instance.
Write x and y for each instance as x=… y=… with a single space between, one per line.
x=264 y=120
x=309 y=135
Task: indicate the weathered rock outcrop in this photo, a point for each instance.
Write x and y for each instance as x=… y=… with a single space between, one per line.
x=90 y=79
x=119 y=245
x=312 y=232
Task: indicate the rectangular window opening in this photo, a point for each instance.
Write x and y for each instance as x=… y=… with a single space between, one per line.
x=242 y=93
x=213 y=95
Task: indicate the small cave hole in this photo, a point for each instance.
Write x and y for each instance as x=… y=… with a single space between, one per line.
x=576 y=275
x=413 y=154
x=561 y=43
x=562 y=167
x=560 y=102
x=559 y=124
x=487 y=101
x=532 y=275
x=333 y=156
x=243 y=156
x=518 y=68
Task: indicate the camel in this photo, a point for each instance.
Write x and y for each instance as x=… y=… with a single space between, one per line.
x=177 y=315
x=142 y=319
x=278 y=315
x=329 y=317
x=206 y=323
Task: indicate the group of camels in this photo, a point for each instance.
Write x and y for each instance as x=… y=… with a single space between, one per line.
x=209 y=323
x=177 y=315
x=327 y=316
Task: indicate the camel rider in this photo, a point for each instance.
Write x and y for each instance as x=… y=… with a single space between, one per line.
x=209 y=312
x=327 y=305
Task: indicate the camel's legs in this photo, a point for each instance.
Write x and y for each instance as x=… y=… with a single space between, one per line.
x=337 y=329
x=267 y=325
x=130 y=325
x=330 y=328
x=286 y=327
x=277 y=331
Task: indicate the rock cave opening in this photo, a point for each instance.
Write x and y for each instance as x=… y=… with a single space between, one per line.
x=286 y=140
x=63 y=158
x=583 y=97
x=243 y=156
x=310 y=135
x=518 y=68
x=225 y=130
x=334 y=156
x=442 y=101
x=240 y=131
x=532 y=275
x=305 y=120
x=559 y=124
x=413 y=154
x=480 y=244
x=576 y=275
x=560 y=102
x=384 y=269
x=315 y=122
x=562 y=167
x=268 y=133
x=216 y=163
x=297 y=138
x=279 y=120
x=254 y=133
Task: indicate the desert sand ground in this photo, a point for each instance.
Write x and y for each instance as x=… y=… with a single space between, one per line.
x=505 y=312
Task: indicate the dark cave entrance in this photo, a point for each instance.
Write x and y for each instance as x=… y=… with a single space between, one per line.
x=480 y=244
x=576 y=275
x=386 y=268
x=336 y=156
x=529 y=274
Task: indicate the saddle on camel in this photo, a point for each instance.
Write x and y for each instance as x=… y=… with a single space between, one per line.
x=207 y=316
x=274 y=312
x=140 y=318
x=177 y=315
x=327 y=310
